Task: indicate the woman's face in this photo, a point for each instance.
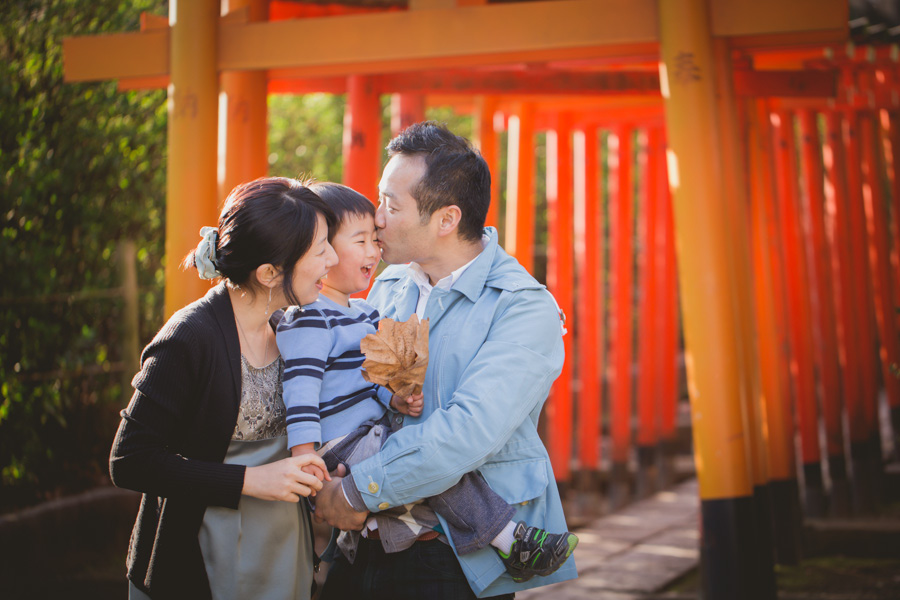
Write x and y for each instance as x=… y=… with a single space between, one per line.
x=314 y=265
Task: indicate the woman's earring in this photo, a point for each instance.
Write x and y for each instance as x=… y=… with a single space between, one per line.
x=269 y=302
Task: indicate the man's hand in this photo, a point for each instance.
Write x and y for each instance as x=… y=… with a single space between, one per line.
x=411 y=405
x=332 y=507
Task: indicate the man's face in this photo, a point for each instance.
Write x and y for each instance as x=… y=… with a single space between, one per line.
x=401 y=234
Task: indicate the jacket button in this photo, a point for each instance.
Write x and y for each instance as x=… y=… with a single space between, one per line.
x=384 y=506
x=399 y=419
x=524 y=503
x=373 y=487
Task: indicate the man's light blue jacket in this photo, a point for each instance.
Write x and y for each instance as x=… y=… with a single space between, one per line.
x=495 y=347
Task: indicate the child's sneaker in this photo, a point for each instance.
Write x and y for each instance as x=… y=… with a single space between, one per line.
x=536 y=552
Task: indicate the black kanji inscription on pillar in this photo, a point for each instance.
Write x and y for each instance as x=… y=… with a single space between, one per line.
x=686 y=69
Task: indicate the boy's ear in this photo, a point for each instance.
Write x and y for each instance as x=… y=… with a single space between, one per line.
x=448 y=219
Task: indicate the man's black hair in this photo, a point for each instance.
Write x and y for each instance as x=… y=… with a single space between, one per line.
x=455 y=173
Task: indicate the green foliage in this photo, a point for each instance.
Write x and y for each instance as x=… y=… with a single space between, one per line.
x=305 y=133
x=82 y=166
x=305 y=136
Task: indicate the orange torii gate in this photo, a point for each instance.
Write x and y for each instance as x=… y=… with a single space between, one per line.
x=694 y=39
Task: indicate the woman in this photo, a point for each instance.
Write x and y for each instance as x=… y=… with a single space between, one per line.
x=204 y=434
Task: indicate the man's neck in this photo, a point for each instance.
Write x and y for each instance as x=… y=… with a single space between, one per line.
x=450 y=259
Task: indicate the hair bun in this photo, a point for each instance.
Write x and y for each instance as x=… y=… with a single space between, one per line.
x=205 y=254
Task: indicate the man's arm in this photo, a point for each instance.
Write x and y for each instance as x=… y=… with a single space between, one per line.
x=508 y=378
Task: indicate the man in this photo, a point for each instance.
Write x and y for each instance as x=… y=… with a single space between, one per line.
x=495 y=348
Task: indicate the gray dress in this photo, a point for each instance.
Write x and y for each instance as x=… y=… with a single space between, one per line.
x=261 y=550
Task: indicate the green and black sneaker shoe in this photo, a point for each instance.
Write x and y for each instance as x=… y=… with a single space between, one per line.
x=537 y=552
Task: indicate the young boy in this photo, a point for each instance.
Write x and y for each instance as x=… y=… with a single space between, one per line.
x=331 y=409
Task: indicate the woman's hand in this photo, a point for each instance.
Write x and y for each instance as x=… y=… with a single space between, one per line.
x=284 y=480
x=311 y=468
x=411 y=405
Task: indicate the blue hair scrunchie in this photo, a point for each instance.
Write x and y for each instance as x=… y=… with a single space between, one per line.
x=205 y=255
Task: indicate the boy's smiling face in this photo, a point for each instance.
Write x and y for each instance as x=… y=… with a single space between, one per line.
x=358 y=256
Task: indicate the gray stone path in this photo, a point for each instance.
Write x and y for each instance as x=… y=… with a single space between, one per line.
x=635 y=552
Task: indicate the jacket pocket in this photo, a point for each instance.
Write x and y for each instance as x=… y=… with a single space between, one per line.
x=517 y=481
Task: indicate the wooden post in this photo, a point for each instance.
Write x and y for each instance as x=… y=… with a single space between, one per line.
x=894 y=137
x=590 y=307
x=622 y=336
x=486 y=140
x=244 y=115
x=879 y=254
x=799 y=309
x=865 y=445
x=560 y=280
x=362 y=136
x=649 y=324
x=709 y=306
x=520 y=186
x=768 y=275
x=406 y=109
x=191 y=184
x=126 y=256
x=879 y=260
x=669 y=345
x=826 y=347
x=735 y=179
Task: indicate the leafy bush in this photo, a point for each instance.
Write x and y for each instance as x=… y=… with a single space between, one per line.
x=82 y=166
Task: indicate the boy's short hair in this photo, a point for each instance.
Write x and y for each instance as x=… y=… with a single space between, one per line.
x=343 y=201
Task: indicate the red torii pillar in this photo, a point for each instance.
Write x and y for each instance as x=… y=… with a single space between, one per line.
x=798 y=310
x=362 y=136
x=735 y=178
x=245 y=113
x=560 y=281
x=826 y=322
x=519 y=229
x=893 y=120
x=865 y=446
x=709 y=304
x=486 y=140
x=669 y=346
x=879 y=256
x=406 y=109
x=623 y=234
x=773 y=340
x=650 y=324
x=591 y=302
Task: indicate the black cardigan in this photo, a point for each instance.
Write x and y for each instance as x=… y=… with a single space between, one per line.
x=172 y=440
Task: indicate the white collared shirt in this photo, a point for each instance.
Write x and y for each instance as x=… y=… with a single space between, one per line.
x=420 y=278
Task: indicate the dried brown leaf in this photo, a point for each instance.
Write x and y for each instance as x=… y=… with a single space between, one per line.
x=397 y=355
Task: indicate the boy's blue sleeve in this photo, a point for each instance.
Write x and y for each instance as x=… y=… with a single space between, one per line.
x=304 y=340
x=384 y=396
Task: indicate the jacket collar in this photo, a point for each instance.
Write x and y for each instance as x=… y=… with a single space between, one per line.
x=473 y=279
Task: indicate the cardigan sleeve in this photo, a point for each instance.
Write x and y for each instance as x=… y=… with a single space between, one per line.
x=144 y=455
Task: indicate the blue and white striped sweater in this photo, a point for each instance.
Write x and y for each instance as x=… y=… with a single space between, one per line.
x=324 y=392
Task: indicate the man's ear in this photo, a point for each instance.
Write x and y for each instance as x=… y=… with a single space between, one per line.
x=448 y=219
x=267 y=275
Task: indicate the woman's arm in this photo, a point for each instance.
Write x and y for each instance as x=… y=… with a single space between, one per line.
x=145 y=455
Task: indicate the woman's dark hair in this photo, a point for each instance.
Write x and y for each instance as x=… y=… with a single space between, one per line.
x=342 y=201
x=455 y=173
x=268 y=220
